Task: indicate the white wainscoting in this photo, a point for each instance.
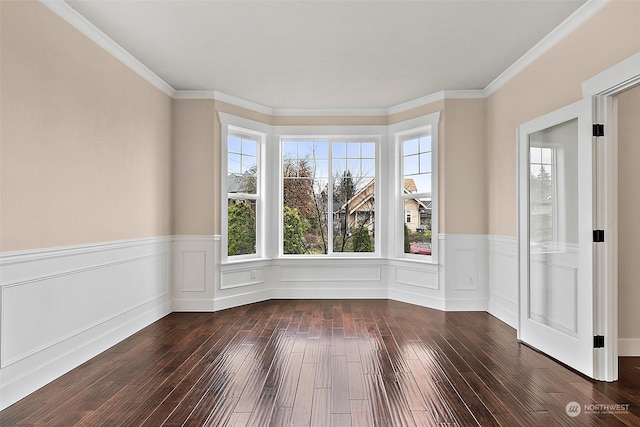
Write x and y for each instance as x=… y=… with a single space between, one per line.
x=503 y=279
x=194 y=272
x=62 y=306
x=464 y=274
x=328 y=278
x=415 y=282
x=243 y=283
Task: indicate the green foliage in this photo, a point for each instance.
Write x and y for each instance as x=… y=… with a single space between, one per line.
x=362 y=240
x=422 y=236
x=241 y=228
x=407 y=240
x=293 y=232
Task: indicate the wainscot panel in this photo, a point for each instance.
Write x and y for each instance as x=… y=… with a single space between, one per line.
x=503 y=279
x=194 y=272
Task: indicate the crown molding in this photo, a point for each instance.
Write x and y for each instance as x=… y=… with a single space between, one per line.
x=415 y=103
x=71 y=16
x=80 y=23
x=586 y=11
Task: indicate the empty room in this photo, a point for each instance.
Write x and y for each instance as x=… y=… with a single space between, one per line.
x=324 y=213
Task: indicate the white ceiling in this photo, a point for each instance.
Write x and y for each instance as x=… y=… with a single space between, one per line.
x=347 y=54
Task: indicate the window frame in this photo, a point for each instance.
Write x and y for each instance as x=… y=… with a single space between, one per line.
x=398 y=133
x=375 y=134
x=258 y=132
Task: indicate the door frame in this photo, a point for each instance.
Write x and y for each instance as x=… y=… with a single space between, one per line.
x=602 y=90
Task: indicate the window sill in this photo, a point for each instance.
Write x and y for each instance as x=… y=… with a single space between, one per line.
x=429 y=261
x=245 y=261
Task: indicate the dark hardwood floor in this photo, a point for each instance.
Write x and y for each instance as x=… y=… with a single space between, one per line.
x=327 y=363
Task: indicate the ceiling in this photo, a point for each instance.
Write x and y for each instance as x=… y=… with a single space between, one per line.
x=347 y=54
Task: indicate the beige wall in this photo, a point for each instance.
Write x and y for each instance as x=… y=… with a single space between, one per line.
x=85 y=142
x=551 y=82
x=464 y=168
x=196 y=165
x=629 y=213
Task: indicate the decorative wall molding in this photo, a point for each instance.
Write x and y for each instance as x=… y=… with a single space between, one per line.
x=503 y=279
x=194 y=272
x=463 y=271
x=63 y=306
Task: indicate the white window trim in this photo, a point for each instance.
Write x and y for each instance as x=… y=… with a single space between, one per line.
x=231 y=124
x=397 y=132
x=375 y=133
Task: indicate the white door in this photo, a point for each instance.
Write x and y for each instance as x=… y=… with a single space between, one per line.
x=555 y=229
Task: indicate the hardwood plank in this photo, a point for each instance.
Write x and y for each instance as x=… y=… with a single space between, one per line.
x=339 y=387
x=356 y=381
x=301 y=412
x=361 y=413
x=321 y=410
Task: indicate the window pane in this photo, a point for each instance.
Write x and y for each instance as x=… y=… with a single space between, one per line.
x=339 y=150
x=339 y=166
x=290 y=150
x=422 y=183
x=368 y=150
x=249 y=164
x=535 y=155
x=305 y=208
x=322 y=169
x=235 y=144
x=249 y=147
x=321 y=149
x=410 y=146
x=242 y=183
x=305 y=149
x=241 y=227
x=368 y=167
x=353 y=166
x=417 y=226
x=425 y=144
x=411 y=165
x=425 y=162
x=234 y=163
x=546 y=155
x=353 y=215
x=242 y=166
x=353 y=150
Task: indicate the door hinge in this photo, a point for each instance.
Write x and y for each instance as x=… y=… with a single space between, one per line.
x=598 y=236
x=598 y=130
x=598 y=341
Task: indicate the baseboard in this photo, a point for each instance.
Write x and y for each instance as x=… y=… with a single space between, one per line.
x=427 y=301
x=329 y=293
x=503 y=309
x=244 y=298
x=466 y=304
x=185 y=305
x=629 y=347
